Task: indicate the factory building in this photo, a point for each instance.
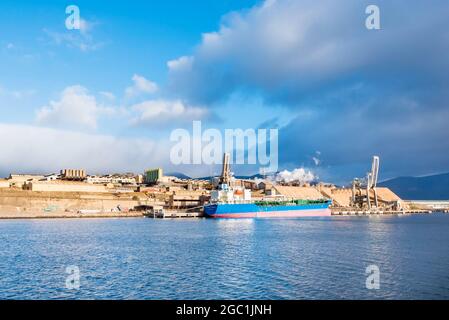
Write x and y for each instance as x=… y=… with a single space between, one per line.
x=186 y=199
x=111 y=179
x=4 y=183
x=50 y=177
x=139 y=179
x=21 y=178
x=73 y=174
x=59 y=186
x=152 y=176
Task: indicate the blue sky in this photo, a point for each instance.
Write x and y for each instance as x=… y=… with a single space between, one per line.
x=106 y=97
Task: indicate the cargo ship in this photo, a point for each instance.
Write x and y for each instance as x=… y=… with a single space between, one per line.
x=235 y=202
x=269 y=209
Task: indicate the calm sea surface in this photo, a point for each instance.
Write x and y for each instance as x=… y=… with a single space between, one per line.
x=311 y=258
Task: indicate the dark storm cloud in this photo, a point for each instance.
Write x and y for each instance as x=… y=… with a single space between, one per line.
x=409 y=139
x=354 y=91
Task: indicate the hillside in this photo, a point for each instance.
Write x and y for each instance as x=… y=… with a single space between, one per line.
x=435 y=187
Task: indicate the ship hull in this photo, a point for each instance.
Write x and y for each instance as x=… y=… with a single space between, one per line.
x=235 y=211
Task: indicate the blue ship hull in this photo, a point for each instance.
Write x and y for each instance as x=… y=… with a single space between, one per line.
x=252 y=210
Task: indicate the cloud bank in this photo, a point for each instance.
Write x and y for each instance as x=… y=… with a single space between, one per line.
x=140 y=86
x=352 y=92
x=167 y=113
x=43 y=150
x=300 y=175
x=76 y=109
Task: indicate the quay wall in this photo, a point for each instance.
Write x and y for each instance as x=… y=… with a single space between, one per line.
x=65 y=187
x=24 y=201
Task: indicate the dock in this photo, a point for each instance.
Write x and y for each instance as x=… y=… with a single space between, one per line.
x=171 y=214
x=377 y=212
x=174 y=214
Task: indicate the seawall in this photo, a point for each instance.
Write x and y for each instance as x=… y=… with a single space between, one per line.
x=31 y=204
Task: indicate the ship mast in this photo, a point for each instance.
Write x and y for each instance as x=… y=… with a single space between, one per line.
x=226 y=170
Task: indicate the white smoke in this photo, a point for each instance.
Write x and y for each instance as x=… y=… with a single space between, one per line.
x=300 y=175
x=316 y=159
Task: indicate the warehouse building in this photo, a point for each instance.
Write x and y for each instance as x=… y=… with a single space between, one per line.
x=152 y=176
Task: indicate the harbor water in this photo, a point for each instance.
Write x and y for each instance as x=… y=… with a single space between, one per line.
x=306 y=258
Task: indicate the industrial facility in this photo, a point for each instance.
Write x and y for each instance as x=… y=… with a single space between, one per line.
x=76 y=191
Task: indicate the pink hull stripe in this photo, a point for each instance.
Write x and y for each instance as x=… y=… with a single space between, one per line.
x=277 y=214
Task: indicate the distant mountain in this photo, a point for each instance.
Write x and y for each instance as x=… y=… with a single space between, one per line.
x=254 y=176
x=178 y=175
x=435 y=187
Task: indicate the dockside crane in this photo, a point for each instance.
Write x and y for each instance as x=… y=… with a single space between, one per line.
x=367 y=184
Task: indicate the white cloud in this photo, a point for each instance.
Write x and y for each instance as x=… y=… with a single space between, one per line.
x=86 y=26
x=316 y=159
x=81 y=39
x=183 y=63
x=300 y=175
x=108 y=95
x=10 y=46
x=163 y=112
x=76 y=108
x=287 y=48
x=141 y=86
x=17 y=94
x=54 y=149
x=32 y=149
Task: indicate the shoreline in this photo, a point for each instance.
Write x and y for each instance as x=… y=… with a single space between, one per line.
x=63 y=215
x=106 y=215
x=24 y=204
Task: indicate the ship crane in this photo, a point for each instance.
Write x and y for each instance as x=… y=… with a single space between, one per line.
x=226 y=170
x=367 y=184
